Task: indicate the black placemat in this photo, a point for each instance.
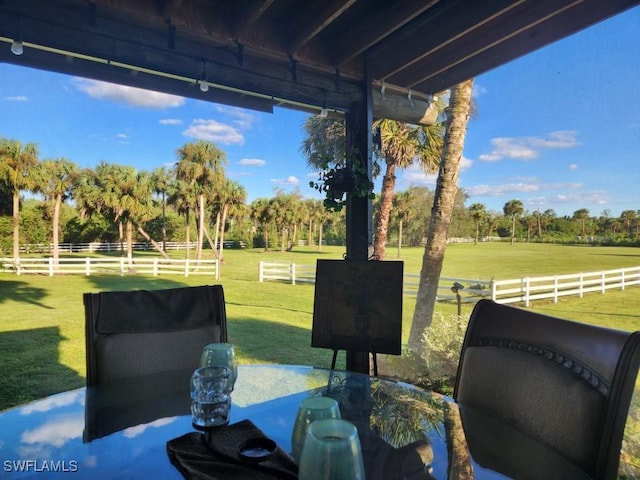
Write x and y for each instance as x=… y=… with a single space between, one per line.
x=214 y=456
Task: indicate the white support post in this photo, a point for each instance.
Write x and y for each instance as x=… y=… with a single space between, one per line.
x=87 y=266
x=122 y=266
x=555 y=289
x=50 y=266
x=526 y=292
x=155 y=267
x=292 y=270
x=186 y=267
x=261 y=272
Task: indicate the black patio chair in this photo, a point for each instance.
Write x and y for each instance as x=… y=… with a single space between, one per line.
x=563 y=384
x=143 y=332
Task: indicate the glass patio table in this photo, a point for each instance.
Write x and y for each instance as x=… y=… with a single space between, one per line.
x=121 y=429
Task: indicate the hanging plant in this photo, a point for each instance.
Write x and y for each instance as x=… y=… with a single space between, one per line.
x=340 y=180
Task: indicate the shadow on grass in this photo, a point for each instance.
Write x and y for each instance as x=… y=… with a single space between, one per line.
x=20 y=291
x=116 y=282
x=31 y=367
x=263 y=341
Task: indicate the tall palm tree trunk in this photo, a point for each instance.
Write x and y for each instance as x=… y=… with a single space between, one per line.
x=441 y=213
x=223 y=221
x=16 y=226
x=56 y=228
x=386 y=202
x=400 y=238
x=200 y=227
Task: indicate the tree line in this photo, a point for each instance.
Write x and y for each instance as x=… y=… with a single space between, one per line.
x=112 y=203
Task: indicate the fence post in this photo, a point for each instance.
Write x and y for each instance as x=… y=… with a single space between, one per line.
x=186 y=267
x=217 y=264
x=87 y=266
x=494 y=293
x=18 y=267
x=50 y=266
x=292 y=270
x=622 y=280
x=603 y=286
x=155 y=266
x=261 y=273
x=526 y=292
x=555 y=289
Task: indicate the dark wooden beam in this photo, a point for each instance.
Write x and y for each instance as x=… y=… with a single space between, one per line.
x=433 y=31
x=369 y=31
x=316 y=17
x=565 y=23
x=492 y=32
x=245 y=16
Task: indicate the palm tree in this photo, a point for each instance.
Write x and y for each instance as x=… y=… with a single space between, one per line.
x=459 y=112
x=513 y=209
x=200 y=164
x=262 y=214
x=478 y=213
x=627 y=217
x=16 y=162
x=55 y=181
x=402 y=207
x=232 y=195
x=162 y=180
x=401 y=145
x=582 y=215
x=183 y=198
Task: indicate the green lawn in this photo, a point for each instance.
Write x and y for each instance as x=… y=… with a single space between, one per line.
x=42 y=318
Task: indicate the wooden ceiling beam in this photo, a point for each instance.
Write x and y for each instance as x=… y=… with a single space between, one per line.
x=374 y=29
x=434 y=30
x=478 y=40
x=245 y=16
x=563 y=24
x=316 y=17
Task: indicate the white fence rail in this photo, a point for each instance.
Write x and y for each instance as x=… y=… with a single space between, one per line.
x=118 y=266
x=102 y=247
x=521 y=290
x=537 y=288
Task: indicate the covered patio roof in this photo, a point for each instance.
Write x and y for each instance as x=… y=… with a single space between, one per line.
x=309 y=55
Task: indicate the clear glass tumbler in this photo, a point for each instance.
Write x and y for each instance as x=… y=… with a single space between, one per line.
x=210 y=397
x=220 y=354
x=331 y=451
x=310 y=410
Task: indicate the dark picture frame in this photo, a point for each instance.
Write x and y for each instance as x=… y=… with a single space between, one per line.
x=358 y=306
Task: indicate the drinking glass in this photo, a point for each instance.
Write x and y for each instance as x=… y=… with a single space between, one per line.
x=220 y=354
x=310 y=410
x=210 y=397
x=331 y=451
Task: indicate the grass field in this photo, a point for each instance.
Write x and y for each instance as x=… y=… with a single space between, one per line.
x=42 y=318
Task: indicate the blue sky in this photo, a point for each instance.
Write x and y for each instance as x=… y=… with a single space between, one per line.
x=559 y=128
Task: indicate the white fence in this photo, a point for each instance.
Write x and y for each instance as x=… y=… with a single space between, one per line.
x=289 y=272
x=537 y=288
x=116 y=246
x=521 y=290
x=101 y=266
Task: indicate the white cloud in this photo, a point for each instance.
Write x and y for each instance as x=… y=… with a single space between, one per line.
x=52 y=402
x=213 y=131
x=19 y=98
x=122 y=135
x=56 y=431
x=478 y=90
x=497 y=190
x=573 y=166
x=135 y=97
x=241 y=118
x=528 y=148
x=252 y=162
x=170 y=121
x=133 y=432
x=290 y=180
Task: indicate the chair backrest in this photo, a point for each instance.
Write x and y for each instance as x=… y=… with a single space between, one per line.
x=565 y=384
x=150 y=331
